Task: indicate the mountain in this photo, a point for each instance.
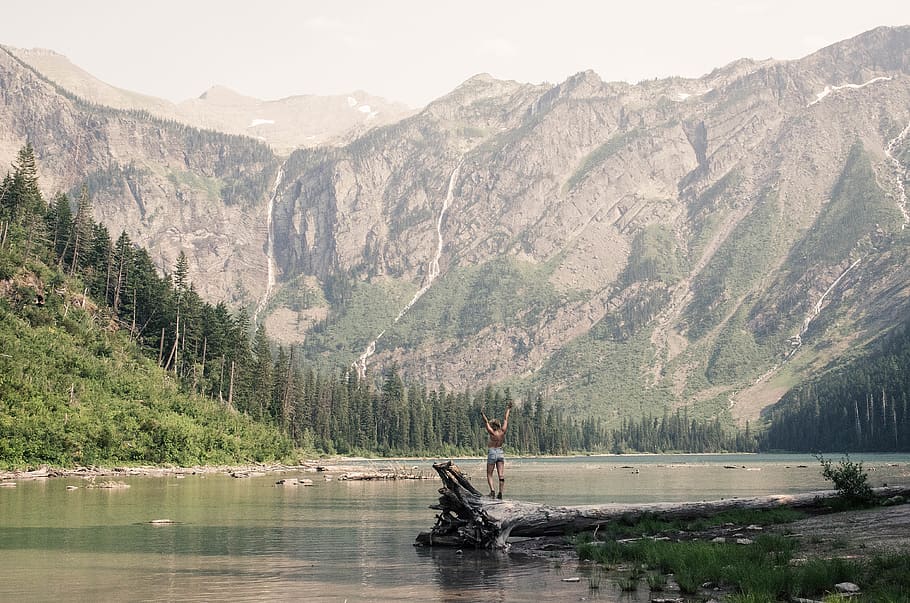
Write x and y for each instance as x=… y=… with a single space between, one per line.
x=622 y=248
x=284 y=124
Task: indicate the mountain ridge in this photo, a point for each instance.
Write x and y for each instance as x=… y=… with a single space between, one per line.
x=297 y=120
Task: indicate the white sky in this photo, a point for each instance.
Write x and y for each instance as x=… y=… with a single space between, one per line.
x=417 y=50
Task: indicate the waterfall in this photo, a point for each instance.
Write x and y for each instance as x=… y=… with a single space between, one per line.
x=432 y=272
x=899 y=170
x=817 y=308
x=269 y=247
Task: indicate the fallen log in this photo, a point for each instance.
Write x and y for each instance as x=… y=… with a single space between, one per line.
x=467 y=518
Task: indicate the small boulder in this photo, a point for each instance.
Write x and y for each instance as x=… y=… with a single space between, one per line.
x=846 y=588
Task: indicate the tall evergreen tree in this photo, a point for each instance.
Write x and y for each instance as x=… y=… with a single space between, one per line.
x=82 y=230
x=262 y=377
x=59 y=223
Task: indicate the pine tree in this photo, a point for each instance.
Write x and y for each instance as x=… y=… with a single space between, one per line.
x=59 y=223
x=26 y=197
x=262 y=376
x=82 y=229
x=121 y=260
x=23 y=202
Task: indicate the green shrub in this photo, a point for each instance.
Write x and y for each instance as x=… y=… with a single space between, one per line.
x=849 y=479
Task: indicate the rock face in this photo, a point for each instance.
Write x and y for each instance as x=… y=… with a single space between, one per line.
x=620 y=248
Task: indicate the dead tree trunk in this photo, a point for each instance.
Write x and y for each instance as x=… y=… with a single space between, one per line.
x=468 y=518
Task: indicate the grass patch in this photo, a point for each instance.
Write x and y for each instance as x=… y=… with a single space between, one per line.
x=184 y=179
x=762 y=571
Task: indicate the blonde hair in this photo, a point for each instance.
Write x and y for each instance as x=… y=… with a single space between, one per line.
x=495 y=424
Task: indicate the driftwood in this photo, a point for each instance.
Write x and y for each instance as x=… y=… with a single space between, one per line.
x=467 y=518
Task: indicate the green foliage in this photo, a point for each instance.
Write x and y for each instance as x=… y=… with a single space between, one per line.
x=859 y=216
x=636 y=313
x=848 y=478
x=736 y=355
x=362 y=311
x=134 y=366
x=75 y=394
x=858 y=206
x=758 y=572
x=590 y=369
x=654 y=256
x=740 y=262
x=213 y=187
x=504 y=292
x=297 y=296
x=861 y=405
x=707 y=204
x=599 y=155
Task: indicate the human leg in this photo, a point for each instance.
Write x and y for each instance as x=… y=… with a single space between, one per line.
x=501 y=470
x=490 y=477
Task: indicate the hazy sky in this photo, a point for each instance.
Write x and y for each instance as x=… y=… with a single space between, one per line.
x=417 y=50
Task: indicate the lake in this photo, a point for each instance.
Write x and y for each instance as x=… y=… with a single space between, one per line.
x=250 y=539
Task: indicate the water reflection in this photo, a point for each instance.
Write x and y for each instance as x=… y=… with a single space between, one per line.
x=335 y=541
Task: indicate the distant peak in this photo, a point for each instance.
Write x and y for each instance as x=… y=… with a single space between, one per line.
x=484 y=83
x=221 y=94
x=583 y=83
x=481 y=78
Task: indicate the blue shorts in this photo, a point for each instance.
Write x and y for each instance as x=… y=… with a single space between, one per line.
x=495 y=455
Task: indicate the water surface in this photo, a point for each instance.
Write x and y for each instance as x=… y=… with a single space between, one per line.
x=250 y=539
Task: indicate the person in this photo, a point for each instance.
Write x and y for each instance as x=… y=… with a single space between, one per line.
x=495 y=456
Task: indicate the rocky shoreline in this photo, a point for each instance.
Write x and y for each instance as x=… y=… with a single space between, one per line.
x=342 y=468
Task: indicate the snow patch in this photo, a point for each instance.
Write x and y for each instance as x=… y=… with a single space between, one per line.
x=352 y=102
x=260 y=122
x=829 y=89
x=681 y=97
x=364 y=109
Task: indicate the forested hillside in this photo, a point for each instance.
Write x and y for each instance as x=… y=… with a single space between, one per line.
x=862 y=406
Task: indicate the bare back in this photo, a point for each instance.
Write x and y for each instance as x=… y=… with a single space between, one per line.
x=497 y=438
x=497 y=432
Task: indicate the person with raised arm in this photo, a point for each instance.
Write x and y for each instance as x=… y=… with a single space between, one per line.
x=495 y=456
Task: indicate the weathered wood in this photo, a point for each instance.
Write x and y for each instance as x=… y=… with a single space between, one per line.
x=468 y=518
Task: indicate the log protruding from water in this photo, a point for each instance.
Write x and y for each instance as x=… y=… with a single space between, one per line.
x=467 y=518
